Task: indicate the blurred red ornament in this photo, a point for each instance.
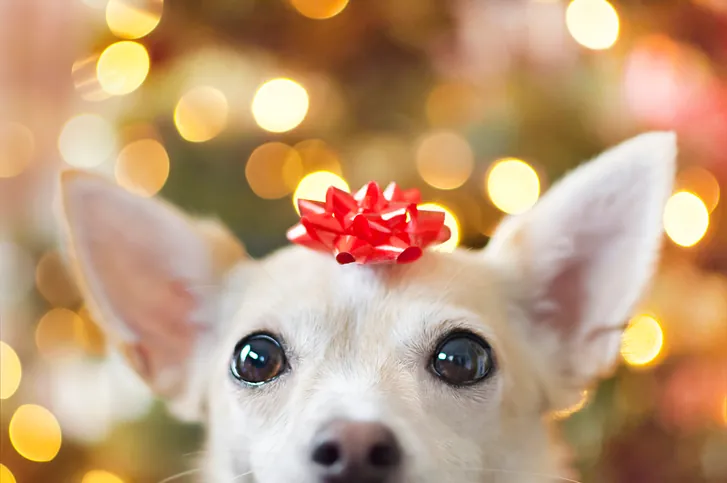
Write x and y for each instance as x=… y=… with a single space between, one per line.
x=372 y=226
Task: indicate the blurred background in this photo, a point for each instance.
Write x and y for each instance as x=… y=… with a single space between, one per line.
x=237 y=107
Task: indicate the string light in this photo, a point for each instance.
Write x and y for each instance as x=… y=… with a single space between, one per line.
x=143 y=167
x=593 y=23
x=444 y=160
x=512 y=185
x=35 y=433
x=686 y=218
x=201 y=114
x=315 y=185
x=11 y=371
x=280 y=105
x=122 y=67
x=133 y=19
x=450 y=220
x=642 y=341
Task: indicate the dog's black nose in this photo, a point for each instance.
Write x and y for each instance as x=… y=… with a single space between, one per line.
x=356 y=452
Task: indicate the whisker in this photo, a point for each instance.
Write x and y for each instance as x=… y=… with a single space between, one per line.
x=242 y=475
x=180 y=475
x=528 y=473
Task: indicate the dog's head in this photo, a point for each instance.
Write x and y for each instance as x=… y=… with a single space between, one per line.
x=443 y=370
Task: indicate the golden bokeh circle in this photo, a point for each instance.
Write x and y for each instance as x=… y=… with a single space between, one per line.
x=86 y=140
x=642 y=341
x=58 y=333
x=686 y=218
x=273 y=170
x=319 y=9
x=593 y=23
x=201 y=114
x=54 y=282
x=100 y=476
x=450 y=220
x=122 y=67
x=6 y=476
x=318 y=156
x=512 y=185
x=314 y=186
x=142 y=167
x=11 y=371
x=444 y=160
x=16 y=149
x=280 y=105
x=133 y=19
x=35 y=433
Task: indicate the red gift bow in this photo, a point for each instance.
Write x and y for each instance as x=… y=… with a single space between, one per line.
x=369 y=227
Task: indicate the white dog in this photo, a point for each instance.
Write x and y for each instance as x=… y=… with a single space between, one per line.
x=443 y=370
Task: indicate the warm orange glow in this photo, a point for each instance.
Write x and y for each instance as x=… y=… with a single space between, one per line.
x=567 y=412
x=58 y=332
x=318 y=156
x=16 y=149
x=273 y=170
x=701 y=182
x=11 y=371
x=35 y=433
x=143 y=167
x=319 y=9
x=453 y=104
x=642 y=341
x=444 y=160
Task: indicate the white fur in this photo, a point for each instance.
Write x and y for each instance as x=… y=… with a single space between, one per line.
x=550 y=295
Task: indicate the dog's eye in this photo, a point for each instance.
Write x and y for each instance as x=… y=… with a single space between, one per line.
x=258 y=359
x=462 y=359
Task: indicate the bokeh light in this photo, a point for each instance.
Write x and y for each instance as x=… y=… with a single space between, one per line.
x=58 y=332
x=85 y=79
x=453 y=104
x=444 y=160
x=319 y=9
x=593 y=23
x=122 y=67
x=686 y=218
x=100 y=476
x=512 y=185
x=567 y=412
x=54 y=282
x=315 y=185
x=11 y=371
x=16 y=148
x=86 y=141
x=273 y=170
x=642 y=341
x=450 y=220
x=6 y=476
x=698 y=180
x=142 y=167
x=201 y=114
x=35 y=433
x=133 y=19
x=280 y=105
x=318 y=156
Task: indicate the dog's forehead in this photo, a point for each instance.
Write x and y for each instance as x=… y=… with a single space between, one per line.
x=296 y=280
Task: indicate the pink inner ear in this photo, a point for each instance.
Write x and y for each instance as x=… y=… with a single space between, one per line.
x=134 y=268
x=565 y=295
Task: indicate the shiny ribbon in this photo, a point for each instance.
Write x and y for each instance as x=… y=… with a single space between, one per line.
x=372 y=226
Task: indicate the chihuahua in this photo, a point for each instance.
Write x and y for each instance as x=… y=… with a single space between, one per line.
x=442 y=370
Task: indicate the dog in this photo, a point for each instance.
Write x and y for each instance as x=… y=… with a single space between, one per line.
x=443 y=370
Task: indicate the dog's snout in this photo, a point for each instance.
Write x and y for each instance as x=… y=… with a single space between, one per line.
x=352 y=452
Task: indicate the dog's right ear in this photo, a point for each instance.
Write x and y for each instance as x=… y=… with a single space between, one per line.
x=148 y=274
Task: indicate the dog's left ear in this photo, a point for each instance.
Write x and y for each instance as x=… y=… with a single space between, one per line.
x=579 y=261
x=150 y=275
